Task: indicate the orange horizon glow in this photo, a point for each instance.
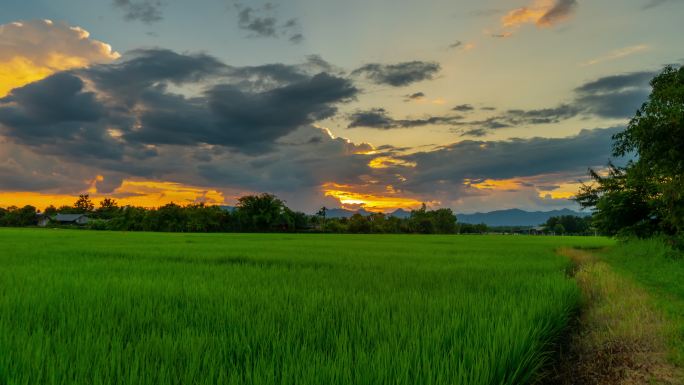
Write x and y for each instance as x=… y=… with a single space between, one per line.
x=369 y=201
x=148 y=194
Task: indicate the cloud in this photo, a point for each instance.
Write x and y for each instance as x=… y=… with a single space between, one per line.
x=458 y=44
x=262 y=22
x=616 y=96
x=146 y=11
x=656 y=3
x=609 y=97
x=502 y=35
x=561 y=10
x=379 y=119
x=474 y=160
x=463 y=108
x=126 y=109
x=617 y=54
x=32 y=50
x=400 y=74
x=542 y=13
x=415 y=96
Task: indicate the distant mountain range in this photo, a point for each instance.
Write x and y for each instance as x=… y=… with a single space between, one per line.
x=343 y=213
x=515 y=217
x=511 y=217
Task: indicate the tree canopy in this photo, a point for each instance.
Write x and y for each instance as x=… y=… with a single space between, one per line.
x=645 y=197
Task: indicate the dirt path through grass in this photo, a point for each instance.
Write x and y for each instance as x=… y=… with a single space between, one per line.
x=619 y=338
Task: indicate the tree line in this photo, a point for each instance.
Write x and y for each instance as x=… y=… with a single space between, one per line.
x=253 y=213
x=267 y=213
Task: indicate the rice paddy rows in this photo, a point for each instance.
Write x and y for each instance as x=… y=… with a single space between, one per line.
x=81 y=307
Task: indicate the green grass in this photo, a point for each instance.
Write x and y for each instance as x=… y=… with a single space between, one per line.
x=82 y=307
x=651 y=263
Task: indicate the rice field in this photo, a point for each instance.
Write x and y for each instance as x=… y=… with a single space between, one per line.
x=85 y=307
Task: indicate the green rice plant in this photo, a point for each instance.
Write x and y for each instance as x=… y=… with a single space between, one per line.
x=82 y=307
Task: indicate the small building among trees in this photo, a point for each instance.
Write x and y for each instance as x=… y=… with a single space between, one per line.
x=70 y=219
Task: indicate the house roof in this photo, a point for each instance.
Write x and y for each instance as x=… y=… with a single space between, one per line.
x=67 y=217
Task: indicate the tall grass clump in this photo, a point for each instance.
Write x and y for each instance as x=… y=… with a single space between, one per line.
x=142 y=308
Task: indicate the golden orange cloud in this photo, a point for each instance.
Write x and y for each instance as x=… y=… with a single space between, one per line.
x=495 y=184
x=33 y=50
x=543 y=13
x=526 y=15
x=388 y=161
x=143 y=193
x=349 y=198
x=563 y=191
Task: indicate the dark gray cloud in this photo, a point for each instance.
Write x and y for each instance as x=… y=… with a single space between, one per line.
x=263 y=22
x=146 y=11
x=379 y=119
x=400 y=74
x=244 y=108
x=610 y=97
x=560 y=10
x=463 y=108
x=617 y=96
x=540 y=116
x=415 y=96
x=475 y=132
x=456 y=44
x=473 y=159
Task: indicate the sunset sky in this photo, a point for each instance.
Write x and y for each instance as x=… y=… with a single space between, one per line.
x=472 y=105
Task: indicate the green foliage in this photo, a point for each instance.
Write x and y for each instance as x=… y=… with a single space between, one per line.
x=153 y=308
x=469 y=228
x=424 y=221
x=647 y=196
x=263 y=212
x=84 y=204
x=18 y=217
x=569 y=224
x=358 y=224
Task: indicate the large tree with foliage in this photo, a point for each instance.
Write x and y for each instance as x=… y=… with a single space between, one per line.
x=84 y=204
x=261 y=212
x=647 y=195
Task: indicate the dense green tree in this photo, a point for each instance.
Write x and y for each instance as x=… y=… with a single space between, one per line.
x=445 y=221
x=571 y=224
x=469 y=228
x=19 y=217
x=645 y=196
x=261 y=212
x=421 y=222
x=359 y=224
x=107 y=209
x=50 y=211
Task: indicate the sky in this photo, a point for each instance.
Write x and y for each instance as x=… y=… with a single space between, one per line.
x=384 y=104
